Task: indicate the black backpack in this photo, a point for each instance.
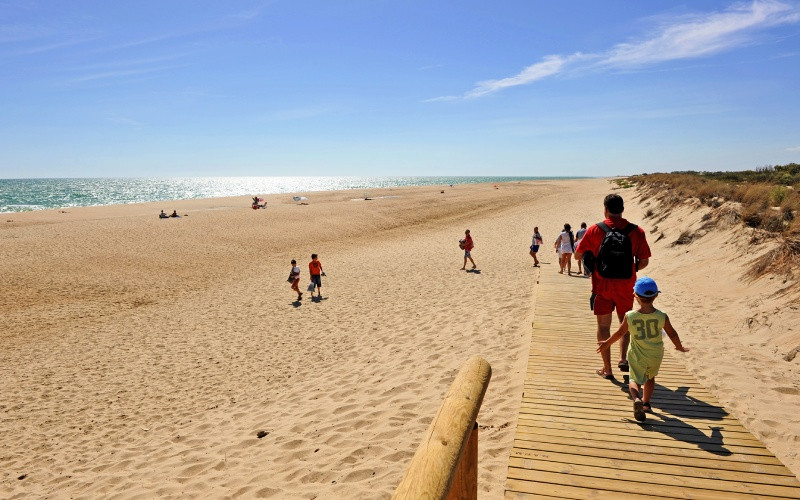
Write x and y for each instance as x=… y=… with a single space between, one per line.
x=615 y=258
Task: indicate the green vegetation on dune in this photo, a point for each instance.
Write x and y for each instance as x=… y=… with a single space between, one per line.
x=766 y=199
x=769 y=197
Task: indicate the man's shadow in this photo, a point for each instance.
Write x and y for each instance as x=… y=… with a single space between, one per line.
x=474 y=271
x=673 y=409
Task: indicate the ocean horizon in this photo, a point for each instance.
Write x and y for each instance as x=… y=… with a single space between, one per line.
x=26 y=195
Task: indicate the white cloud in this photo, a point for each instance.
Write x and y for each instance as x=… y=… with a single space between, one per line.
x=550 y=66
x=794 y=149
x=702 y=35
x=679 y=38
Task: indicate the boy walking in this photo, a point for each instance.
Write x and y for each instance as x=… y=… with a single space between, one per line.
x=294 y=275
x=315 y=269
x=467 y=245
x=646 y=349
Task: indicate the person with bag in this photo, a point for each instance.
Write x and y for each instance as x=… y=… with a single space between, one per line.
x=619 y=249
x=536 y=242
x=467 y=245
x=315 y=269
x=294 y=279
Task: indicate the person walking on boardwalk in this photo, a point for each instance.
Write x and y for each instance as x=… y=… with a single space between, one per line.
x=619 y=249
x=578 y=237
x=315 y=269
x=467 y=245
x=647 y=346
x=565 y=245
x=535 y=244
x=294 y=276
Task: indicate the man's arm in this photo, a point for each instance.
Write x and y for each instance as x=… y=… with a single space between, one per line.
x=641 y=264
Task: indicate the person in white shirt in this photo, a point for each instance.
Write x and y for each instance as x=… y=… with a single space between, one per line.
x=295 y=277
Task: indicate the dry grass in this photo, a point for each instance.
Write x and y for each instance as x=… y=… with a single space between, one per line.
x=767 y=200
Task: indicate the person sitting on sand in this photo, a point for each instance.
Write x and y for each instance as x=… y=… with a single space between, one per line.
x=646 y=349
x=467 y=245
x=174 y=214
x=535 y=244
x=163 y=215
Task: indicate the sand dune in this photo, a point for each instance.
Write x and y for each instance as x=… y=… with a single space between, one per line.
x=143 y=357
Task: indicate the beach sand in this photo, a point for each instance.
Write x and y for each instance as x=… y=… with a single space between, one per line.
x=142 y=357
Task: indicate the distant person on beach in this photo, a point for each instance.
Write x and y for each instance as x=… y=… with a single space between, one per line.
x=565 y=245
x=315 y=269
x=619 y=249
x=535 y=244
x=578 y=237
x=467 y=245
x=163 y=215
x=294 y=276
x=174 y=214
x=647 y=346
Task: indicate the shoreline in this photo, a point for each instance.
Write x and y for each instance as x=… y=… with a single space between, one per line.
x=268 y=185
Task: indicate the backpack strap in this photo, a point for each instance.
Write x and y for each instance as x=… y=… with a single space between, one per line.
x=630 y=227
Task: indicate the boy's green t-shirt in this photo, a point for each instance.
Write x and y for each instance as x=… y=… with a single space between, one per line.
x=645 y=330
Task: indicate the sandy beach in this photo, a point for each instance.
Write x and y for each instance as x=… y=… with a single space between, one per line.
x=142 y=357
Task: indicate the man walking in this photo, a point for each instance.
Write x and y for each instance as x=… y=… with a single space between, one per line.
x=619 y=249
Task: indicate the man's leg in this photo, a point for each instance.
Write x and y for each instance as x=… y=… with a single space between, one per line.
x=603 y=333
x=625 y=340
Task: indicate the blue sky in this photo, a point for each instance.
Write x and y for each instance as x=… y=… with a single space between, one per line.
x=174 y=88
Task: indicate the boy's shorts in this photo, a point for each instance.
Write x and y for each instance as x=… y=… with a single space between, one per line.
x=642 y=370
x=534 y=248
x=315 y=278
x=606 y=304
x=467 y=254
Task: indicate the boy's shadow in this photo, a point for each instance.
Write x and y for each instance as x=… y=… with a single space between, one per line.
x=674 y=408
x=474 y=271
x=297 y=303
x=318 y=299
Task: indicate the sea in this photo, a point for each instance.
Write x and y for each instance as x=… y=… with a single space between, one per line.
x=24 y=195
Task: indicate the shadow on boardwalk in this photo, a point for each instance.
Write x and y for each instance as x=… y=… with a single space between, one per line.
x=672 y=409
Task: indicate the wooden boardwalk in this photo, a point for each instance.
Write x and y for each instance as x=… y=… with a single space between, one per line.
x=577 y=438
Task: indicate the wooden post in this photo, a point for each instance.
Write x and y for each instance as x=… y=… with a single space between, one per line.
x=465 y=482
x=452 y=438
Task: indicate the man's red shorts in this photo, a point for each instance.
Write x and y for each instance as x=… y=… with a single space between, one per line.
x=605 y=304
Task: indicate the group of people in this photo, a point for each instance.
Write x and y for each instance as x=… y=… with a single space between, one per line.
x=163 y=215
x=316 y=273
x=617 y=249
x=257 y=203
x=611 y=252
x=565 y=246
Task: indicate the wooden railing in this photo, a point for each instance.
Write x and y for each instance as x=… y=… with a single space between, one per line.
x=445 y=465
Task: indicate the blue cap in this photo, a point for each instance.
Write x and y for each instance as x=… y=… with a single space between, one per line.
x=645 y=287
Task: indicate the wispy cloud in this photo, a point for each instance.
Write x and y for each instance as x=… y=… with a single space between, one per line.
x=794 y=149
x=685 y=37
